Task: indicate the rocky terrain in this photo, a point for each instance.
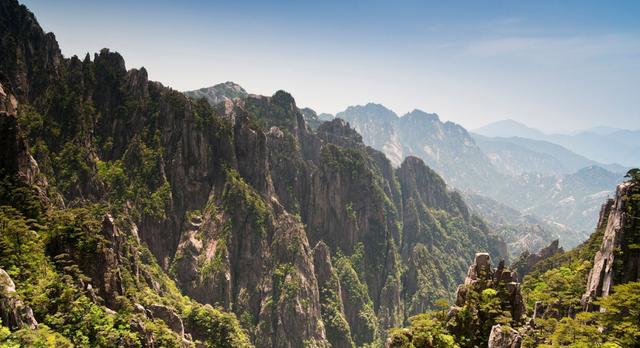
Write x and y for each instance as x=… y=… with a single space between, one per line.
x=218 y=93
x=618 y=259
x=587 y=296
x=172 y=222
x=134 y=215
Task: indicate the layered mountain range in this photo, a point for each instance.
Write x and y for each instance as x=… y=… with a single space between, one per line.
x=606 y=145
x=537 y=178
x=134 y=215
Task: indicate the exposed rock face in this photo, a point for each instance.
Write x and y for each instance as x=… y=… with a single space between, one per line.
x=332 y=308
x=444 y=146
x=293 y=318
x=167 y=315
x=618 y=260
x=313 y=119
x=13 y=312
x=481 y=276
x=538 y=310
x=15 y=158
x=504 y=337
x=480 y=269
x=570 y=199
x=527 y=261
x=218 y=93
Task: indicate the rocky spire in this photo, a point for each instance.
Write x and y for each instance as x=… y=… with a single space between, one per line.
x=617 y=261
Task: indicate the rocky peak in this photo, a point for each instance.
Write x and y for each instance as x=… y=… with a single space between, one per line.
x=618 y=259
x=36 y=59
x=369 y=112
x=112 y=61
x=338 y=131
x=313 y=119
x=15 y=158
x=418 y=115
x=424 y=185
x=481 y=276
x=480 y=269
x=218 y=93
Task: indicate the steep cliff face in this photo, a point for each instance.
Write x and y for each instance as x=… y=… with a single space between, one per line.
x=229 y=199
x=618 y=259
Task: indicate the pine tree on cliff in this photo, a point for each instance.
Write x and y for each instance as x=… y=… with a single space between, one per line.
x=633 y=175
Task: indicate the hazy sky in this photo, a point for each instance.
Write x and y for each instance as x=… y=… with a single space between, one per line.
x=555 y=65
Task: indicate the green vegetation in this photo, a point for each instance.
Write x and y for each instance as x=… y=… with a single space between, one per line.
x=559 y=282
x=615 y=326
x=216 y=328
x=335 y=323
x=46 y=256
x=423 y=331
x=238 y=194
x=285 y=283
x=633 y=174
x=357 y=298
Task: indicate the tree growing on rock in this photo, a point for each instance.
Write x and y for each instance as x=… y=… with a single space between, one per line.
x=633 y=174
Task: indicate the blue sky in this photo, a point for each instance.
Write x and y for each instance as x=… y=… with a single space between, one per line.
x=555 y=65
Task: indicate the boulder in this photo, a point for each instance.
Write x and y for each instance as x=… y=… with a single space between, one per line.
x=480 y=269
x=169 y=316
x=504 y=337
x=13 y=312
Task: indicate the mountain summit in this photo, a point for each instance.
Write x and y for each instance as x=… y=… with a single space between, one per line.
x=218 y=93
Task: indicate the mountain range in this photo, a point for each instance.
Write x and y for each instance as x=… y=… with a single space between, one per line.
x=605 y=145
x=533 y=176
x=134 y=215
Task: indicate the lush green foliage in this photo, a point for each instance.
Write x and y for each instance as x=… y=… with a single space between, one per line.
x=559 y=283
x=46 y=257
x=357 y=296
x=237 y=193
x=633 y=174
x=423 y=332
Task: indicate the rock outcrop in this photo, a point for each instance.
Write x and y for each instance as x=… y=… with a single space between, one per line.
x=504 y=337
x=169 y=316
x=527 y=261
x=618 y=259
x=13 y=312
x=332 y=307
x=481 y=276
x=218 y=93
